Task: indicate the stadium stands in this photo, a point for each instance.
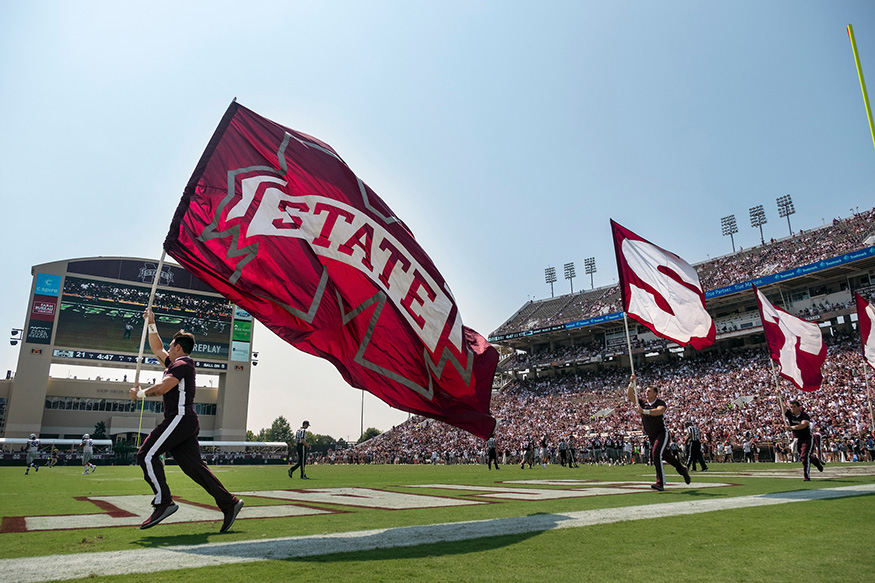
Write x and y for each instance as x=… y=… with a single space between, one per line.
x=841 y=236
x=704 y=390
x=728 y=392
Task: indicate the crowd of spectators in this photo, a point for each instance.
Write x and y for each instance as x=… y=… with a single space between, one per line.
x=731 y=396
x=106 y=456
x=202 y=307
x=220 y=457
x=577 y=353
x=596 y=351
x=806 y=247
x=824 y=307
x=196 y=314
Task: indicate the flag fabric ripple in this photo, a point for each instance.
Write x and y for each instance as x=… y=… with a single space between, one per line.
x=277 y=222
x=795 y=344
x=661 y=291
x=865 y=318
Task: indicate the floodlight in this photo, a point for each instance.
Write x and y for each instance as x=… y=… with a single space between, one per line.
x=786 y=208
x=758 y=219
x=730 y=227
x=589 y=266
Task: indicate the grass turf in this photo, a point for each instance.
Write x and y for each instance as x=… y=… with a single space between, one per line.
x=826 y=539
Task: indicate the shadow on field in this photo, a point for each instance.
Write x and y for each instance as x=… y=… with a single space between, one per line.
x=440 y=540
x=440 y=549
x=376 y=545
x=808 y=494
x=692 y=492
x=154 y=542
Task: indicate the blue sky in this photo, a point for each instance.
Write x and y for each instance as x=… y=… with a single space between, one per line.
x=505 y=134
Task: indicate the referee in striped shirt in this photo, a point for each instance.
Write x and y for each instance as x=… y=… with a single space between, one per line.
x=301 y=447
x=694 y=436
x=491 y=452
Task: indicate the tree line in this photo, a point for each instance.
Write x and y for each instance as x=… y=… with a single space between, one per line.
x=281 y=430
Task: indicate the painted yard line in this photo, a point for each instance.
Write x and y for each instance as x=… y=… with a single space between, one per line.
x=60 y=567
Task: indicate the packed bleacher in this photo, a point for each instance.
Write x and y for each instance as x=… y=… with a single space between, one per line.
x=709 y=391
x=181 y=303
x=199 y=315
x=803 y=248
x=730 y=395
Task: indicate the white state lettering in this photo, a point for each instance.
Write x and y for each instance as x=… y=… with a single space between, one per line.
x=248 y=187
x=690 y=319
x=343 y=233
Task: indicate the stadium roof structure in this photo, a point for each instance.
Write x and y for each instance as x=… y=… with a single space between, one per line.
x=812 y=281
x=108 y=443
x=256 y=444
x=50 y=441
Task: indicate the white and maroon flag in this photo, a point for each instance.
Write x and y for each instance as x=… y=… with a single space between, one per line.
x=278 y=223
x=796 y=345
x=865 y=318
x=661 y=291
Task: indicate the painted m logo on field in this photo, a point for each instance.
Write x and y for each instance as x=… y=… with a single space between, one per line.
x=131 y=511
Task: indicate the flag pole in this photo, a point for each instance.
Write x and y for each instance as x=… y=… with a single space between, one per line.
x=778 y=392
x=629 y=346
x=628 y=342
x=143 y=340
x=862 y=81
x=868 y=396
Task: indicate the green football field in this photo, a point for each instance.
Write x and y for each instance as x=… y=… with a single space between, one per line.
x=737 y=522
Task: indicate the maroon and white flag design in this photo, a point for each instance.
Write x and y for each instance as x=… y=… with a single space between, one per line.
x=661 y=291
x=796 y=345
x=278 y=223
x=865 y=318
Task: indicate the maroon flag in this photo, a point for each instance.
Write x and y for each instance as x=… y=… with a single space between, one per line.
x=796 y=345
x=278 y=223
x=865 y=317
x=661 y=291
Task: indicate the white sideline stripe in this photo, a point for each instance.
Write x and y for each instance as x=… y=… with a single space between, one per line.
x=60 y=567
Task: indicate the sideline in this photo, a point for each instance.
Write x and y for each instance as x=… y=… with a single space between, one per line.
x=62 y=567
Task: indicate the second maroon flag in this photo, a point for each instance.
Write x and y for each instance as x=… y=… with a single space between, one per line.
x=278 y=223
x=795 y=344
x=865 y=319
x=661 y=291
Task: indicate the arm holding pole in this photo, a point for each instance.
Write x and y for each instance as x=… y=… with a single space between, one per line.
x=630 y=390
x=633 y=398
x=157 y=348
x=136 y=391
x=146 y=323
x=155 y=343
x=777 y=392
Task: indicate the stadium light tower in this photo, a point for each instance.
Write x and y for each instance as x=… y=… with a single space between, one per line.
x=785 y=209
x=758 y=219
x=570 y=274
x=550 y=277
x=729 y=228
x=589 y=266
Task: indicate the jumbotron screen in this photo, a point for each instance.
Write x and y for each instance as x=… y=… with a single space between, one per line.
x=108 y=316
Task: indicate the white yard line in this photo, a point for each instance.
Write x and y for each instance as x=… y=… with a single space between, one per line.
x=59 y=567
